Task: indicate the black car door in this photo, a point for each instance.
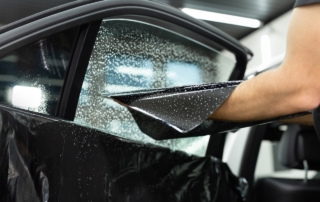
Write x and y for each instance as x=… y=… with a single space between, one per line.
x=62 y=141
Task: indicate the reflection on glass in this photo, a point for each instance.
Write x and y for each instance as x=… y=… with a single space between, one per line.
x=182 y=74
x=32 y=76
x=128 y=73
x=130 y=55
x=27 y=97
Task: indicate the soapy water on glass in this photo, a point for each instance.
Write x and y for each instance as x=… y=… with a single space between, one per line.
x=123 y=60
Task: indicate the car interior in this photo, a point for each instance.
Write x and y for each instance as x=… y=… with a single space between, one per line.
x=298 y=149
x=280 y=161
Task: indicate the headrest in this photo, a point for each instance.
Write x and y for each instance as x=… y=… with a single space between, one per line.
x=297 y=145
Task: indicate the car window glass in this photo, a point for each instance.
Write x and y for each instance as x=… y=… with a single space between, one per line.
x=32 y=77
x=130 y=55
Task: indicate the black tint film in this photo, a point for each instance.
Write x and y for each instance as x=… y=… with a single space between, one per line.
x=32 y=77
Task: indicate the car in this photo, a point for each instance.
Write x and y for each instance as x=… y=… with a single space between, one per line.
x=64 y=138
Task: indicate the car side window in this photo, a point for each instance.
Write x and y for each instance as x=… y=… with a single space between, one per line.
x=32 y=77
x=133 y=55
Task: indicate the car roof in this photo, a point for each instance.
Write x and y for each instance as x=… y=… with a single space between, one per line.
x=44 y=14
x=75 y=4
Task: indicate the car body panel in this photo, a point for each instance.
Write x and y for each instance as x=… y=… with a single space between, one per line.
x=48 y=159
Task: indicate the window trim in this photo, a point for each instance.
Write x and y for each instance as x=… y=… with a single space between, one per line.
x=175 y=29
x=44 y=27
x=77 y=70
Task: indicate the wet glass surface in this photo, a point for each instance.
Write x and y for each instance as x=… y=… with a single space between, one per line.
x=130 y=56
x=32 y=77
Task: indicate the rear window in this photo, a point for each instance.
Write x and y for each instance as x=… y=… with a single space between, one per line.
x=32 y=77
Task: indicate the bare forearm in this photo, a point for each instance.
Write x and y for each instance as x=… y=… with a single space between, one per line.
x=248 y=101
x=271 y=94
x=292 y=88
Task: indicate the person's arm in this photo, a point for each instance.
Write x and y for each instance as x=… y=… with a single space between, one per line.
x=291 y=88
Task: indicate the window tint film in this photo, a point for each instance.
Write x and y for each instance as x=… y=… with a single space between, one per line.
x=130 y=55
x=32 y=77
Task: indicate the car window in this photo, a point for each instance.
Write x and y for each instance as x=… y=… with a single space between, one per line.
x=132 y=55
x=32 y=77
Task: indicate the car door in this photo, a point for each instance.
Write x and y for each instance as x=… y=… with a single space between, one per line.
x=62 y=141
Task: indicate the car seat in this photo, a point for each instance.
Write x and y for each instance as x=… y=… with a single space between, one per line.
x=298 y=149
